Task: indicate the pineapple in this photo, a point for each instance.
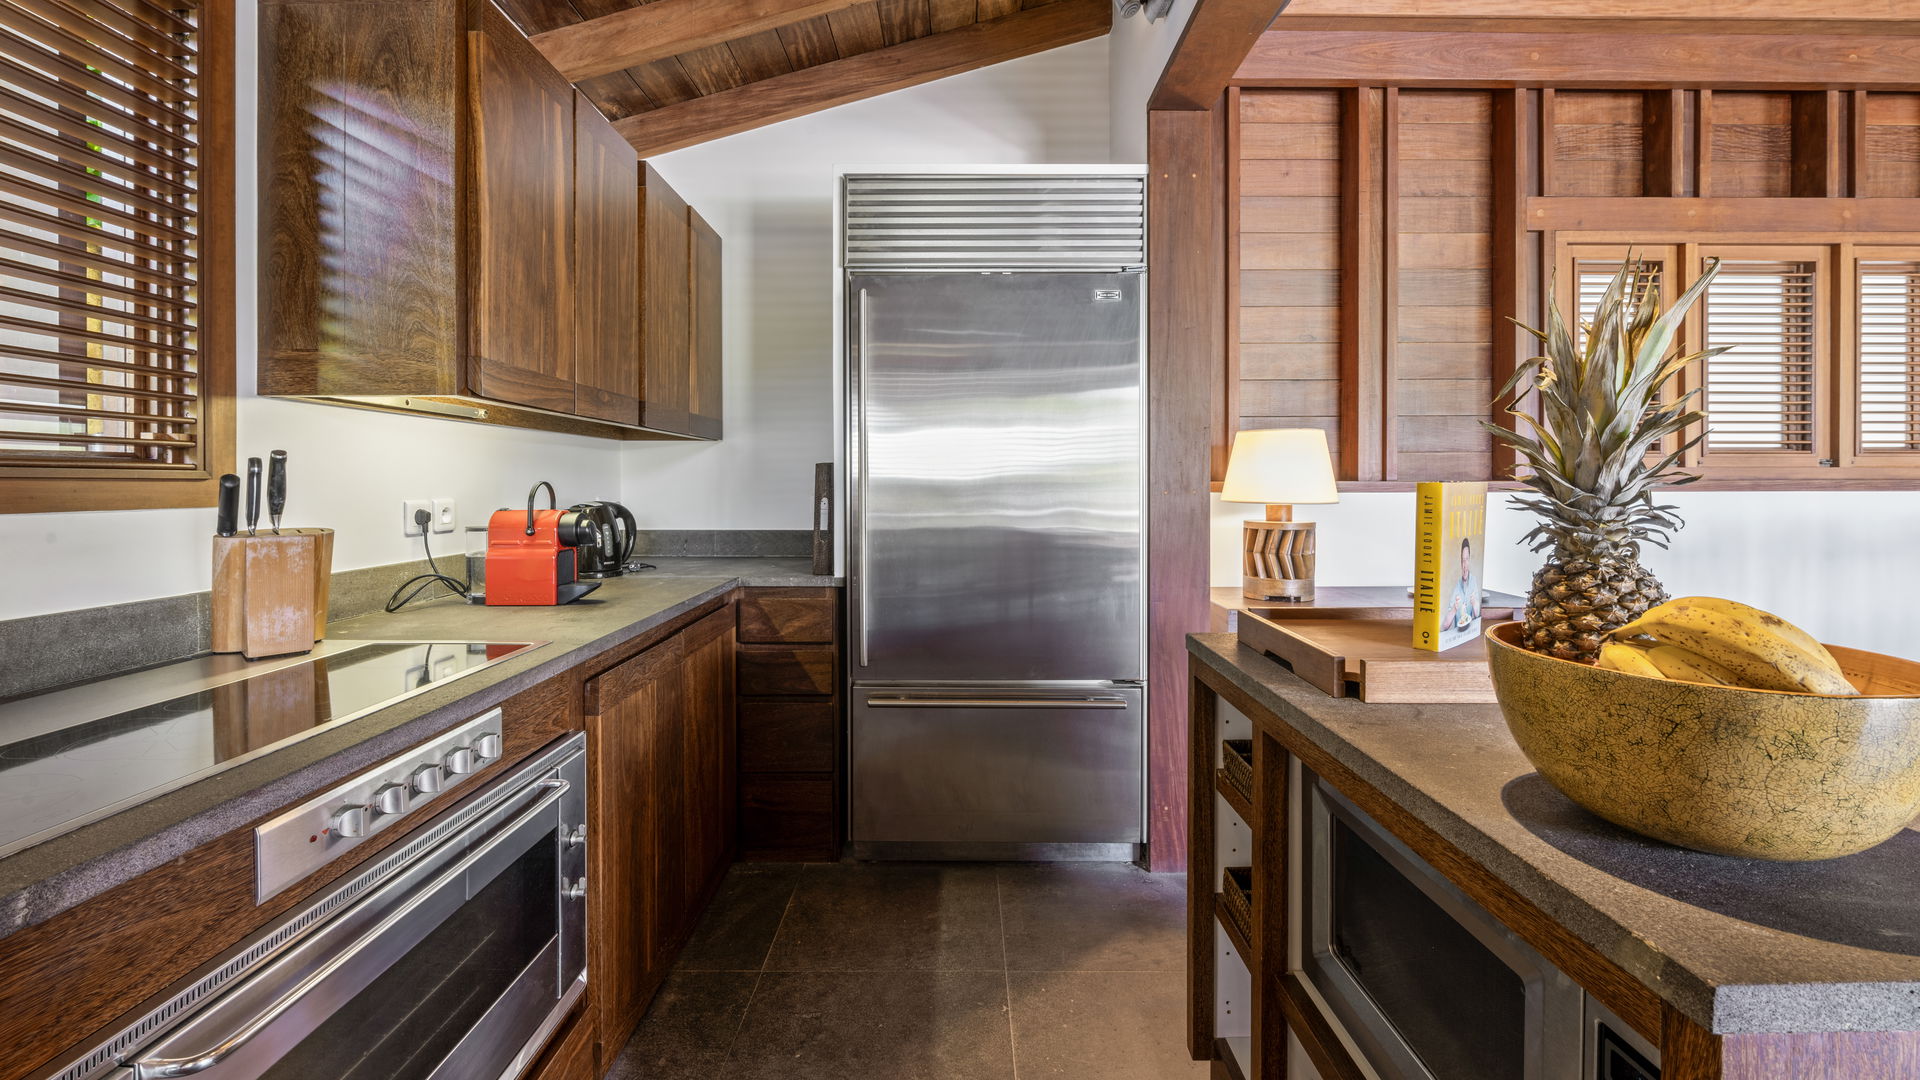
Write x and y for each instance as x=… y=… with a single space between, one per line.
x=1586 y=458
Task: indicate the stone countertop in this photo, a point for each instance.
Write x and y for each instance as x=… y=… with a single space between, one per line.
x=43 y=880
x=1739 y=945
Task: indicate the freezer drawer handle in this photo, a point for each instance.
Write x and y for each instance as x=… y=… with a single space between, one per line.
x=148 y=1068
x=998 y=703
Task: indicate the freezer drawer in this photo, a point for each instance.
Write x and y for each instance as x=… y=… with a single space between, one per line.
x=1006 y=765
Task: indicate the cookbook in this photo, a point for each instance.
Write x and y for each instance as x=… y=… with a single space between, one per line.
x=1448 y=557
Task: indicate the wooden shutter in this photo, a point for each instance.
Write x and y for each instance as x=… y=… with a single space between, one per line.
x=1763 y=398
x=1887 y=371
x=100 y=238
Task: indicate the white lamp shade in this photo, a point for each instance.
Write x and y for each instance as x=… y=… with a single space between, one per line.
x=1280 y=465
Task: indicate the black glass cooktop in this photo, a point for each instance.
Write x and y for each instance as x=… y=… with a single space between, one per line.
x=73 y=756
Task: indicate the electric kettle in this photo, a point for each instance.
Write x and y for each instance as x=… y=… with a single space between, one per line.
x=618 y=532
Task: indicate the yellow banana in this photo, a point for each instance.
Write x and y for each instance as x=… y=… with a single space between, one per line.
x=1746 y=641
x=1628 y=659
x=1779 y=625
x=1682 y=665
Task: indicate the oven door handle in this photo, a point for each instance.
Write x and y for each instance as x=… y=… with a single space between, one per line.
x=154 y=1068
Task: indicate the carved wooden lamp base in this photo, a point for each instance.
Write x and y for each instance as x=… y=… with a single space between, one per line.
x=1277 y=557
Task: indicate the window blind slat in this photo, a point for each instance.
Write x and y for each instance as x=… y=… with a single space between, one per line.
x=1760 y=396
x=99 y=236
x=1888 y=366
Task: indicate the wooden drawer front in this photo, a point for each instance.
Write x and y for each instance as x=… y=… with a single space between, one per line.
x=786 y=671
x=570 y=1055
x=786 y=818
x=787 y=736
x=789 y=616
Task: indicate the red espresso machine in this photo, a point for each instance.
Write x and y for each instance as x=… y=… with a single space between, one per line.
x=531 y=557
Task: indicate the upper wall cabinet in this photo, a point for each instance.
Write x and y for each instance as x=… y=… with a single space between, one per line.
x=680 y=314
x=448 y=228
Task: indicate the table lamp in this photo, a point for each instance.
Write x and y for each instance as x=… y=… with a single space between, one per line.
x=1279 y=467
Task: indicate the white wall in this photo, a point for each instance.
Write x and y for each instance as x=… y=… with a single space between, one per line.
x=1137 y=52
x=770 y=193
x=349 y=470
x=1840 y=563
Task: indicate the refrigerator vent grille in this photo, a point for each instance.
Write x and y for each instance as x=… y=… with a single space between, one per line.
x=995 y=222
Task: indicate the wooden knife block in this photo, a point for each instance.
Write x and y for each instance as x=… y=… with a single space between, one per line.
x=270 y=591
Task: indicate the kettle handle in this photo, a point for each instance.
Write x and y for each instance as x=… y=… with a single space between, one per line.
x=632 y=530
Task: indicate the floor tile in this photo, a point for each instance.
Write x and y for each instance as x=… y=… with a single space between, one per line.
x=849 y=917
x=1100 y=1025
x=883 y=1025
x=738 y=927
x=1093 y=917
x=688 y=1029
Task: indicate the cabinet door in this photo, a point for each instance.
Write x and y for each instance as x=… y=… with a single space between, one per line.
x=606 y=268
x=704 y=376
x=520 y=221
x=666 y=296
x=633 y=723
x=709 y=776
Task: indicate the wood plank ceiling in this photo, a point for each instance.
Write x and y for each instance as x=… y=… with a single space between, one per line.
x=777 y=45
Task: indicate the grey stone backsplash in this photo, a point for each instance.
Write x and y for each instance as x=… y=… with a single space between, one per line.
x=42 y=652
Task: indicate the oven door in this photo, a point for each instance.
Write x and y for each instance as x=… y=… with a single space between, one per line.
x=1424 y=981
x=448 y=969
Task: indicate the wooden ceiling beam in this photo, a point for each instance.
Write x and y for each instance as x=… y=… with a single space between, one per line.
x=881 y=71
x=641 y=35
x=1217 y=37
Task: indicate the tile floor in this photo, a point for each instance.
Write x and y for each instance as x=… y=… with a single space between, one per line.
x=889 y=971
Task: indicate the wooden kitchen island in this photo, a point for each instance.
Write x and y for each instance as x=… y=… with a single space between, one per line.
x=1711 y=967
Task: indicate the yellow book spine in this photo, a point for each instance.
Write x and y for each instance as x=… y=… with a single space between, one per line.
x=1427 y=566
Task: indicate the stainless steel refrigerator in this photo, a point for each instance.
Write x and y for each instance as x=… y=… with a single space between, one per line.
x=996 y=546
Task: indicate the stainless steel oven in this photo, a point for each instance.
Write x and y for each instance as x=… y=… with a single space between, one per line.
x=452 y=957
x=1422 y=981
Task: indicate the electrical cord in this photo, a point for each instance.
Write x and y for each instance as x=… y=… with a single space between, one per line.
x=424 y=582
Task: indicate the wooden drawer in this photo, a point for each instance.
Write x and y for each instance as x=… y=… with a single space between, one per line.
x=787 y=736
x=787 y=818
x=789 y=616
x=787 y=671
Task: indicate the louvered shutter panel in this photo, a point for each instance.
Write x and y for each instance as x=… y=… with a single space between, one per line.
x=99 y=235
x=1888 y=376
x=1760 y=398
x=1592 y=276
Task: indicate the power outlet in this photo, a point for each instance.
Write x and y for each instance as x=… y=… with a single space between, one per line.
x=412 y=507
x=446 y=516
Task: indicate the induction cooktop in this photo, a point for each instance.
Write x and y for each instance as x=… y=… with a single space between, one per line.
x=77 y=755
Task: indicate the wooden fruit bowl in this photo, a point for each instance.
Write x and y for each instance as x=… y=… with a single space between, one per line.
x=1754 y=773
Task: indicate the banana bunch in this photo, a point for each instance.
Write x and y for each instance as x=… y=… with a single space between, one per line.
x=1704 y=639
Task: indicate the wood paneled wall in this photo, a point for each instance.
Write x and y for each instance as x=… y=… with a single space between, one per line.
x=1381 y=235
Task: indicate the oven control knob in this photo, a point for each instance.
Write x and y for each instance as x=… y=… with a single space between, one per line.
x=487 y=746
x=460 y=761
x=392 y=800
x=426 y=780
x=350 y=821
x=576 y=890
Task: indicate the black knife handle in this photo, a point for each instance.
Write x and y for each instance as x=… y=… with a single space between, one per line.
x=276 y=484
x=229 y=507
x=253 y=494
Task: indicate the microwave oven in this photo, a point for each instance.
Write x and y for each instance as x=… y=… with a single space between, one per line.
x=1420 y=980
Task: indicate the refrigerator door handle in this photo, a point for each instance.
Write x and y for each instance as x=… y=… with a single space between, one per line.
x=907 y=702
x=863 y=589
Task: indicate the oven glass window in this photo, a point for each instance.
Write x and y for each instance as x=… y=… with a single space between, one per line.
x=1459 y=1007
x=406 y=1021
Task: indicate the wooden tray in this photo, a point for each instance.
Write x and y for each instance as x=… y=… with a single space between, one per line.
x=1371 y=659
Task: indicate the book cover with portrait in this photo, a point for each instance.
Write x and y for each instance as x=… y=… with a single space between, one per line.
x=1448 y=557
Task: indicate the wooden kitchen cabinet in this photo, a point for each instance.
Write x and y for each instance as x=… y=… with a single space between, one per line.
x=522 y=214
x=659 y=740
x=606 y=239
x=449 y=229
x=788 y=732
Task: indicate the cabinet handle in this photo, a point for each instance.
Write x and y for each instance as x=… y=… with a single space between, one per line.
x=998 y=703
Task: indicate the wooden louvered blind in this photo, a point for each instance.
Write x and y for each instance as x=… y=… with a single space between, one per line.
x=1888 y=372
x=1761 y=396
x=103 y=227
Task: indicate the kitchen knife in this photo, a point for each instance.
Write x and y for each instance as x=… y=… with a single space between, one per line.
x=253 y=495
x=229 y=512
x=276 y=487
